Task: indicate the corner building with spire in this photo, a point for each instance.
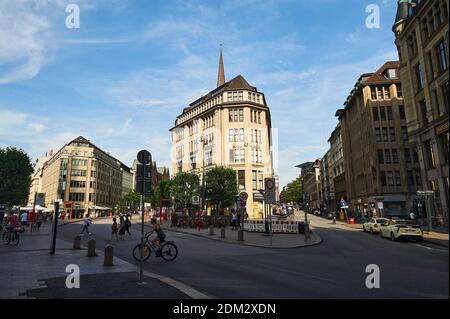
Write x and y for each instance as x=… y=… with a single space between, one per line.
x=231 y=127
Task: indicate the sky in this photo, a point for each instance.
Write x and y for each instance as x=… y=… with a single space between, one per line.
x=123 y=76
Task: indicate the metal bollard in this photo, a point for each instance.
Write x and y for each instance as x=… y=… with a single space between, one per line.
x=222 y=233
x=91 y=248
x=240 y=235
x=77 y=242
x=211 y=230
x=109 y=254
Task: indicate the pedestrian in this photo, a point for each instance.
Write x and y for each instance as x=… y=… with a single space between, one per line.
x=233 y=220
x=128 y=225
x=412 y=216
x=24 y=219
x=114 y=229
x=121 y=228
x=39 y=221
x=86 y=224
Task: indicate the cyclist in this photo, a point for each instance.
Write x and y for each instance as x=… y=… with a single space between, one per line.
x=160 y=236
x=13 y=221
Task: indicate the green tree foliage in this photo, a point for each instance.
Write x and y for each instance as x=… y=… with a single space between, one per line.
x=15 y=176
x=183 y=187
x=294 y=191
x=221 y=187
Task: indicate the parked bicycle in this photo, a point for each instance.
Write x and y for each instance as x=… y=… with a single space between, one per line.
x=168 y=251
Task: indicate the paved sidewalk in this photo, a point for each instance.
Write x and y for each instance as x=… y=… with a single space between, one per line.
x=29 y=266
x=250 y=239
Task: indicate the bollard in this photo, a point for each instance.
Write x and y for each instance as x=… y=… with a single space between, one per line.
x=91 y=248
x=211 y=230
x=109 y=253
x=240 y=235
x=222 y=233
x=77 y=242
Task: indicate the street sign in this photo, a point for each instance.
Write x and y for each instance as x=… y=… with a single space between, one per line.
x=143 y=176
x=243 y=196
x=40 y=199
x=269 y=191
x=144 y=157
x=195 y=200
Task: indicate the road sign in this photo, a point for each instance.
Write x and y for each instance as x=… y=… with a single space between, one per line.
x=195 y=200
x=243 y=196
x=143 y=176
x=40 y=199
x=144 y=157
x=380 y=205
x=269 y=191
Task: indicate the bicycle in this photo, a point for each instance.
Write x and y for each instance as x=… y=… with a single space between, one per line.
x=168 y=251
x=11 y=237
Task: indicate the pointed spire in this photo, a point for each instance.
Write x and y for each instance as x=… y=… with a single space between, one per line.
x=221 y=73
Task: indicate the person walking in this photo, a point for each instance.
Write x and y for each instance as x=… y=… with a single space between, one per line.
x=86 y=224
x=24 y=219
x=233 y=220
x=128 y=225
x=114 y=229
x=121 y=228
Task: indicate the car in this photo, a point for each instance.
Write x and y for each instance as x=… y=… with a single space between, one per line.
x=401 y=229
x=373 y=225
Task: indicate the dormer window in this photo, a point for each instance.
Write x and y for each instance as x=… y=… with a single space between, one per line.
x=391 y=73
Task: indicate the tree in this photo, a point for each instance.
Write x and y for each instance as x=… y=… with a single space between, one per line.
x=183 y=187
x=15 y=176
x=221 y=187
x=130 y=199
x=294 y=191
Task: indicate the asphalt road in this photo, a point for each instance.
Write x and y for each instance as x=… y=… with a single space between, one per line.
x=334 y=269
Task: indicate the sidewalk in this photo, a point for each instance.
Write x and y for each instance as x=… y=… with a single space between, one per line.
x=250 y=239
x=29 y=271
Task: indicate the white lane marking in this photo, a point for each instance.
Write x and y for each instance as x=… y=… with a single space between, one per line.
x=426 y=247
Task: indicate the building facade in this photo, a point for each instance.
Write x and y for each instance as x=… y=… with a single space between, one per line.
x=421 y=31
x=381 y=167
x=311 y=182
x=231 y=127
x=84 y=178
x=337 y=170
x=326 y=194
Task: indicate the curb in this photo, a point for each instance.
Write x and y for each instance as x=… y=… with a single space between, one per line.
x=317 y=241
x=435 y=243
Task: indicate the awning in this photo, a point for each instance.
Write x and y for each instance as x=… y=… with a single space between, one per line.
x=99 y=207
x=30 y=208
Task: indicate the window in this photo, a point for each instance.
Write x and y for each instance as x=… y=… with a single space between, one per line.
x=398 y=179
x=373 y=92
x=235 y=115
x=379 y=93
x=390 y=115
x=382 y=113
x=407 y=153
x=383 y=179
x=385 y=135
x=410 y=178
x=76 y=197
x=259 y=117
x=378 y=135
x=419 y=77
x=404 y=131
x=392 y=134
x=415 y=156
x=78 y=184
x=380 y=157
x=375 y=114
x=386 y=92
x=445 y=94
x=391 y=73
x=241 y=179
x=395 y=156
x=423 y=112
x=254 y=180
x=240 y=96
x=390 y=178
x=418 y=178
x=260 y=180
x=401 y=110
x=430 y=157
x=78 y=172
x=444 y=142
x=241 y=115
x=79 y=162
x=388 y=158
x=399 y=91
x=241 y=134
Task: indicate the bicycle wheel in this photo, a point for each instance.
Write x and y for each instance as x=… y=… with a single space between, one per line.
x=15 y=238
x=5 y=237
x=137 y=252
x=169 y=251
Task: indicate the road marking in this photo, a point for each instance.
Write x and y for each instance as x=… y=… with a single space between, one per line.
x=426 y=247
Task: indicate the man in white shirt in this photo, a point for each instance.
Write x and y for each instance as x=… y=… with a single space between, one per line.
x=24 y=219
x=86 y=223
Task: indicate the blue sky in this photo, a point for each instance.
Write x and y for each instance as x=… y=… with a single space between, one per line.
x=133 y=66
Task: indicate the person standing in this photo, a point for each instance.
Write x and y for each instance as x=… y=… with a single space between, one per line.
x=233 y=220
x=24 y=219
x=128 y=225
x=121 y=228
x=114 y=229
x=86 y=224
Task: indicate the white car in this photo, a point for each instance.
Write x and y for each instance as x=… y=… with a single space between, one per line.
x=401 y=229
x=374 y=225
